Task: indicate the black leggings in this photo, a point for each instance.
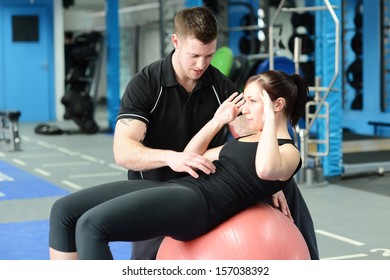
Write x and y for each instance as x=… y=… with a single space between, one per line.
x=85 y=221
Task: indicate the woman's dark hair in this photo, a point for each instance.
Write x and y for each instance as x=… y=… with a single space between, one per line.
x=293 y=88
x=196 y=21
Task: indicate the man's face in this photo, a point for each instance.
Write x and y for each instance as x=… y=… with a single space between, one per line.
x=193 y=56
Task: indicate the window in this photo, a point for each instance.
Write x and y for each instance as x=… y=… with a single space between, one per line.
x=25 y=28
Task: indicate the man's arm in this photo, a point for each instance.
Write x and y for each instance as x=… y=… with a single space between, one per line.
x=239 y=127
x=129 y=152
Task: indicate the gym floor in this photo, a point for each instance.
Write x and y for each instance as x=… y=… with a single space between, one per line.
x=351 y=215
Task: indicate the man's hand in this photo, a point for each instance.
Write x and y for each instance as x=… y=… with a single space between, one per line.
x=190 y=163
x=280 y=202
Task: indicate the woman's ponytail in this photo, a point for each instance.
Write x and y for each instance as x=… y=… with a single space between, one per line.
x=300 y=100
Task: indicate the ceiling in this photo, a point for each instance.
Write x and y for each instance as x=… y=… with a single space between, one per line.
x=99 y=5
x=87 y=14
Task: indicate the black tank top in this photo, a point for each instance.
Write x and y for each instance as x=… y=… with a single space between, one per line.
x=235 y=185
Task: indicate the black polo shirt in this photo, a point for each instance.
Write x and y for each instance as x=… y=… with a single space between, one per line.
x=172 y=115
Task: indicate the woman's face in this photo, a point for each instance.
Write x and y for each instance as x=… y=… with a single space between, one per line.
x=254 y=107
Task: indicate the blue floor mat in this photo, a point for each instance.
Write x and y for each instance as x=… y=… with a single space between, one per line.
x=18 y=184
x=29 y=241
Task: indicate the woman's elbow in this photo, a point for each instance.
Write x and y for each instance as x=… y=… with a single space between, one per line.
x=268 y=171
x=266 y=174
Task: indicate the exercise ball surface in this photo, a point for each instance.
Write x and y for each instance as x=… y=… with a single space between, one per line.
x=258 y=233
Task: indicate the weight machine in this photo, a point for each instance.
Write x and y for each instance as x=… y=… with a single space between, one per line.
x=311 y=172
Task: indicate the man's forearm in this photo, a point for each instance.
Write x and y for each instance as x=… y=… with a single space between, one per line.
x=239 y=127
x=135 y=156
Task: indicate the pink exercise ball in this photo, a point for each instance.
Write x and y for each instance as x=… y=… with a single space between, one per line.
x=258 y=233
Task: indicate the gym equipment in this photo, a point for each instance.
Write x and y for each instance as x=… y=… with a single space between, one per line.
x=244 y=22
x=357 y=43
x=281 y=63
x=243 y=67
x=223 y=60
x=80 y=108
x=303 y=42
x=385 y=57
x=377 y=125
x=308 y=44
x=240 y=64
x=9 y=128
x=305 y=19
x=355 y=74
x=311 y=174
x=358 y=19
x=46 y=129
x=82 y=75
x=247 y=43
x=247 y=21
x=258 y=233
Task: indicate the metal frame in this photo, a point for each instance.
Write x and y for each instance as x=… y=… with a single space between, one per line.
x=9 y=126
x=313 y=174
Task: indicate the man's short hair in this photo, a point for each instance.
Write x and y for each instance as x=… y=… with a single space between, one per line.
x=199 y=22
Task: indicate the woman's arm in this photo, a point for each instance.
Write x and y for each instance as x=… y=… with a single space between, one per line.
x=274 y=162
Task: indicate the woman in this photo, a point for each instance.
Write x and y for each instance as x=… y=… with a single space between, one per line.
x=241 y=173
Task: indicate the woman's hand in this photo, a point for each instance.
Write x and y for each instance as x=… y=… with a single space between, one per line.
x=227 y=112
x=268 y=104
x=280 y=202
x=229 y=109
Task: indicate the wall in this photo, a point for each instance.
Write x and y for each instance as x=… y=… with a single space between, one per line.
x=357 y=121
x=139 y=37
x=59 y=77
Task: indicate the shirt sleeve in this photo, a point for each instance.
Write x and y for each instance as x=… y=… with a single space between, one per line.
x=136 y=100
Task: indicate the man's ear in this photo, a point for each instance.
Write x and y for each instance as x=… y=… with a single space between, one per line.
x=279 y=104
x=175 y=41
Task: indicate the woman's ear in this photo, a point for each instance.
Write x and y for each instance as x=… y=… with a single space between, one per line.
x=279 y=104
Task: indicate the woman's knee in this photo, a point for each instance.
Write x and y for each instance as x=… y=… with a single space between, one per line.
x=88 y=226
x=60 y=210
x=62 y=224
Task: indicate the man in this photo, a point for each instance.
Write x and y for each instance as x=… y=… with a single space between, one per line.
x=165 y=105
